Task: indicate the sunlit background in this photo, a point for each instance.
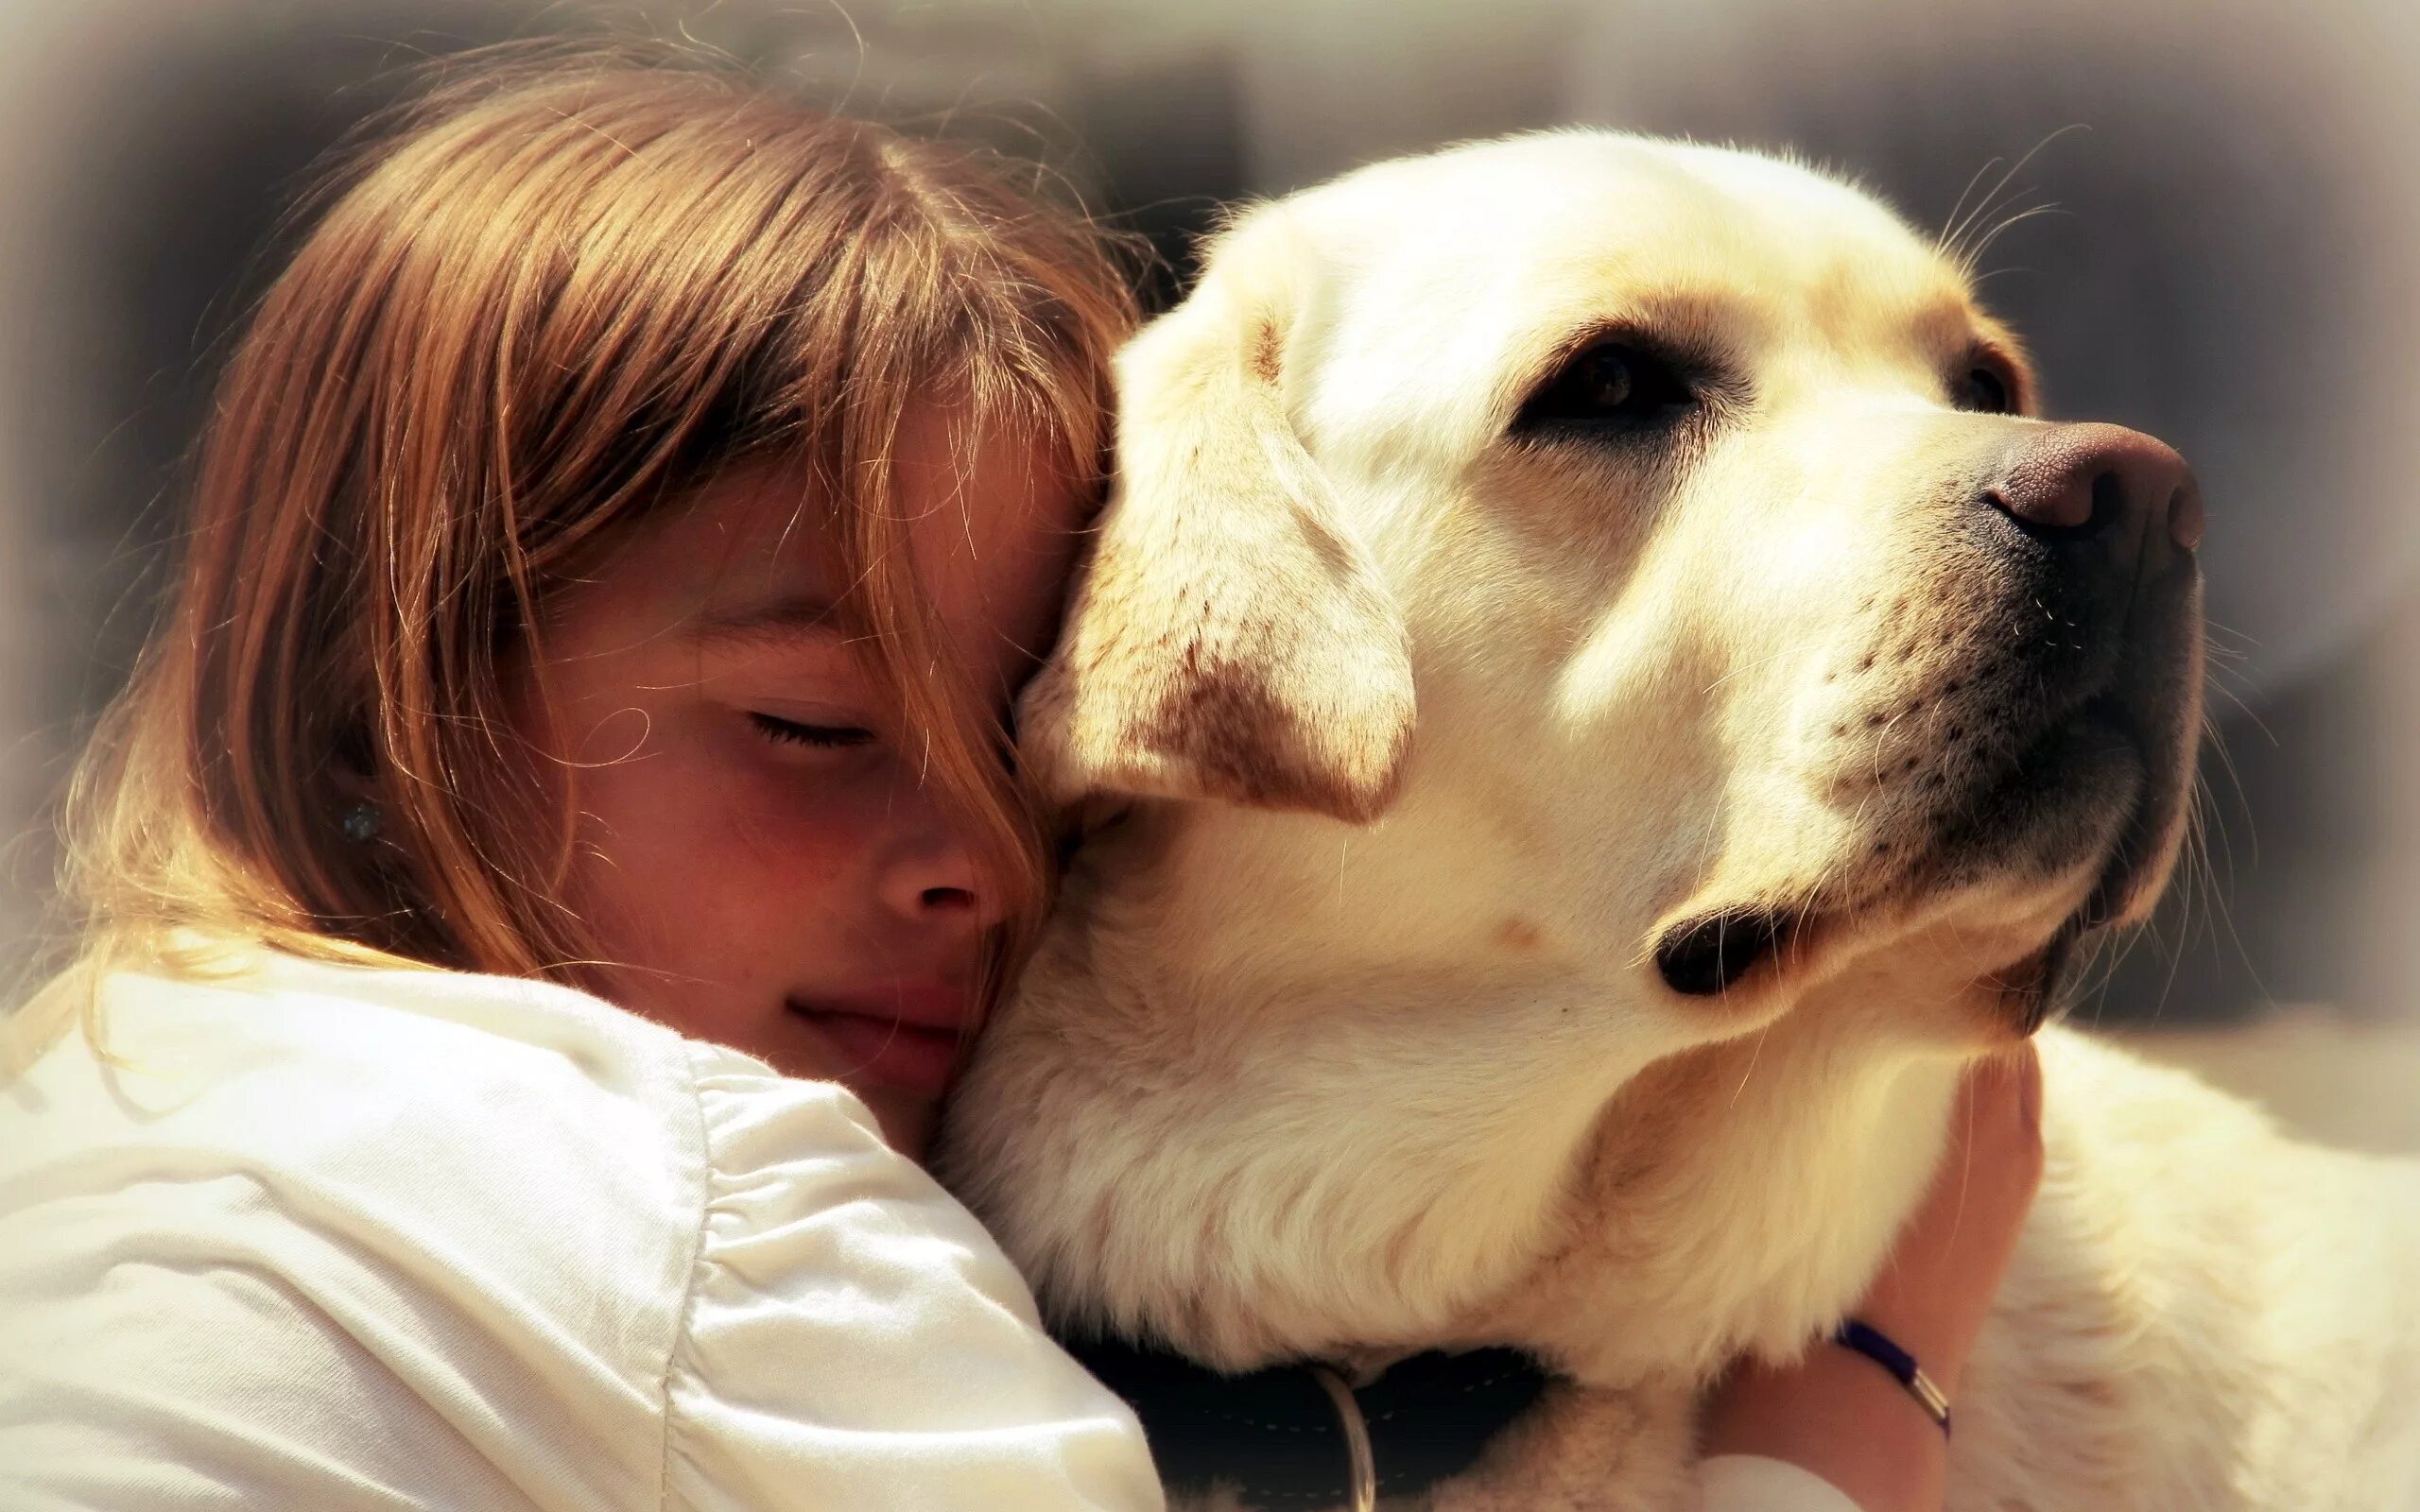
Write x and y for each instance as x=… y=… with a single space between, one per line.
x=2215 y=237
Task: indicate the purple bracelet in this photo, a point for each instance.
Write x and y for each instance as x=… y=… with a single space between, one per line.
x=1877 y=1347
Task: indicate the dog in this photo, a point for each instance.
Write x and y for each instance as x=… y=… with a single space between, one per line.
x=1593 y=700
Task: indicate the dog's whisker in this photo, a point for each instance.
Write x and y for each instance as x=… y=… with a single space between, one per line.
x=1948 y=237
x=1755 y=664
x=1754 y=1053
x=2217 y=743
x=1984 y=245
x=1970 y=250
x=2244 y=709
x=1983 y=206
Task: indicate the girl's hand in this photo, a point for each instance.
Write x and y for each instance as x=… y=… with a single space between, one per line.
x=1938 y=1287
x=1840 y=1414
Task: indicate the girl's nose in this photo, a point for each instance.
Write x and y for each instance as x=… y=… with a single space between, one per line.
x=932 y=878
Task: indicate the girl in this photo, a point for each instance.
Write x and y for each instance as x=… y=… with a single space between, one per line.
x=536 y=885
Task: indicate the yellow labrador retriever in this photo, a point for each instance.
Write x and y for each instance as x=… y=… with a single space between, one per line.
x=1594 y=697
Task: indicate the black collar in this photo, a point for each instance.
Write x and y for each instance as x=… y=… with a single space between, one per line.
x=1274 y=1432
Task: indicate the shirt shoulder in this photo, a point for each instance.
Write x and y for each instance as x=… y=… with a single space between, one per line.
x=855 y=1338
x=503 y=1116
x=271 y=1209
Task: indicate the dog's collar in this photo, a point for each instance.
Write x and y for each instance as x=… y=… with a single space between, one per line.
x=1279 y=1437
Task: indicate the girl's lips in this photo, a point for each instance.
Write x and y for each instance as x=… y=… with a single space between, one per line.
x=919 y=1005
x=907 y=1041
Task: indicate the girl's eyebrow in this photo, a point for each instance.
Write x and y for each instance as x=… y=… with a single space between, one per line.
x=783 y=618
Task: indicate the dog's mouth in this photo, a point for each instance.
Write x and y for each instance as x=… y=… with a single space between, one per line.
x=1712 y=953
x=2103 y=791
x=1742 y=949
x=2034 y=990
x=2109 y=781
x=1716 y=953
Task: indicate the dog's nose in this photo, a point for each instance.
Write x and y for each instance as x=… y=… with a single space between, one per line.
x=2100 y=482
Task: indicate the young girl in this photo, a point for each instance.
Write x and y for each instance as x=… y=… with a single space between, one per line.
x=537 y=884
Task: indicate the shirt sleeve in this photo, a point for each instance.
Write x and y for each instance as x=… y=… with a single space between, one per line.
x=855 y=1339
x=1752 y=1482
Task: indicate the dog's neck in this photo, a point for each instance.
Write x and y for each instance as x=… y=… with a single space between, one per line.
x=1256 y=1154
x=1756 y=1183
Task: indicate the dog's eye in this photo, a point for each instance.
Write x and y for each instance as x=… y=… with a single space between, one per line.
x=1608 y=384
x=1985 y=391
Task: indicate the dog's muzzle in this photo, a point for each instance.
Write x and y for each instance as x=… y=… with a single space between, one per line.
x=2031 y=708
x=2105 y=522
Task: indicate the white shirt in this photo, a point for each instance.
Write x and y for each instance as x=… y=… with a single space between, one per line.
x=334 y=1237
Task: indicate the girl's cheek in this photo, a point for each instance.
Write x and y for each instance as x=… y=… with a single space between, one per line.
x=825 y=804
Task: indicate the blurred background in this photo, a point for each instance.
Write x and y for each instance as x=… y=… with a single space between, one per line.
x=2227 y=254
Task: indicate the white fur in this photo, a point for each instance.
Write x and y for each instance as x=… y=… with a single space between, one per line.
x=1280 y=1084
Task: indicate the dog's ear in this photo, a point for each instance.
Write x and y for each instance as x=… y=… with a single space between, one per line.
x=1231 y=638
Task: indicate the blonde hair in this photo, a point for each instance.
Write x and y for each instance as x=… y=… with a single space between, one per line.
x=555 y=297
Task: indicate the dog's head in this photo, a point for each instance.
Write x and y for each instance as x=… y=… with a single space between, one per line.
x=1569 y=601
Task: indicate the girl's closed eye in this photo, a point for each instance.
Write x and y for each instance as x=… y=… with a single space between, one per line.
x=822 y=737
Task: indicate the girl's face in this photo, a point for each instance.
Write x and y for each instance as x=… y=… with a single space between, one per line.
x=757 y=856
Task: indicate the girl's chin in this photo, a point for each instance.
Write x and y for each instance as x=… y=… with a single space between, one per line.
x=907 y=1116
x=871 y=1059
x=906 y=1119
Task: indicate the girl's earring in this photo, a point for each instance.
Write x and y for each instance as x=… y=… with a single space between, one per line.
x=361 y=823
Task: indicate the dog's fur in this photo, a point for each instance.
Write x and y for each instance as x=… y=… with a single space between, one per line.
x=1414 y=738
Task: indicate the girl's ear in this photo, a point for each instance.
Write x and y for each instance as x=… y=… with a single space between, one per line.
x=1231 y=640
